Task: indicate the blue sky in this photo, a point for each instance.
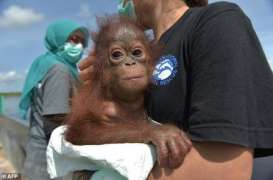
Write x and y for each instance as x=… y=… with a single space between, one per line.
x=23 y=24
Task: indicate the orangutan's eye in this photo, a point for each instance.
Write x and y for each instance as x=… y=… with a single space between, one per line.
x=117 y=55
x=137 y=53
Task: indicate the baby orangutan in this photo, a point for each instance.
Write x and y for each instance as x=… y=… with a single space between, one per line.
x=111 y=109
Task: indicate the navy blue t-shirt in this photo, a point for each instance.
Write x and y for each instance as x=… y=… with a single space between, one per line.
x=213 y=79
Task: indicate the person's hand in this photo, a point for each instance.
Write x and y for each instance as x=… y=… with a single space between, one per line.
x=86 y=67
x=171 y=143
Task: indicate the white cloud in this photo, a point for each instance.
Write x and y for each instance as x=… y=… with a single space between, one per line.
x=10 y=76
x=84 y=11
x=11 y=81
x=16 y=16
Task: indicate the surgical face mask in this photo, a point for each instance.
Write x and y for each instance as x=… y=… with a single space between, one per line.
x=73 y=52
x=127 y=8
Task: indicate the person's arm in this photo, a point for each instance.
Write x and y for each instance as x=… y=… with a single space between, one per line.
x=211 y=161
x=56 y=97
x=52 y=122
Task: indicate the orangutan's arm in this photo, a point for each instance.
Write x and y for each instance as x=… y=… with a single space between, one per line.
x=171 y=143
x=87 y=132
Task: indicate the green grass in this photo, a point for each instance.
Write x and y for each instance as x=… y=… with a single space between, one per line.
x=10 y=94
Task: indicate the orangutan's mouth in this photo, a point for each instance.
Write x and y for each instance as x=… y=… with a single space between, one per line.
x=133 y=78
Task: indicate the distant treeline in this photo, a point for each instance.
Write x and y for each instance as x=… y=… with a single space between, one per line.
x=10 y=93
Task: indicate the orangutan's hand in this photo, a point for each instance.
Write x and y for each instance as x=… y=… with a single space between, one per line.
x=172 y=144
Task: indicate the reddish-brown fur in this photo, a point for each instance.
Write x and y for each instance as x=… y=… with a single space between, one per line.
x=92 y=109
x=111 y=109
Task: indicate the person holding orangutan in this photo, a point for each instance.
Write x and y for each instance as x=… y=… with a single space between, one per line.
x=212 y=81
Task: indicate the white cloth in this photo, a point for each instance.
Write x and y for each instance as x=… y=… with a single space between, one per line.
x=133 y=161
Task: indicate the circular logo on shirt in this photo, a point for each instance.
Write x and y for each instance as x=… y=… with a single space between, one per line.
x=165 y=70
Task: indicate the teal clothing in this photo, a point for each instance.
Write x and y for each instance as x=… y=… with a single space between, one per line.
x=107 y=174
x=56 y=36
x=127 y=8
x=1 y=104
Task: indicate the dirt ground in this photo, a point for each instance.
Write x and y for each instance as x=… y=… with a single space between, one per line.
x=5 y=166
